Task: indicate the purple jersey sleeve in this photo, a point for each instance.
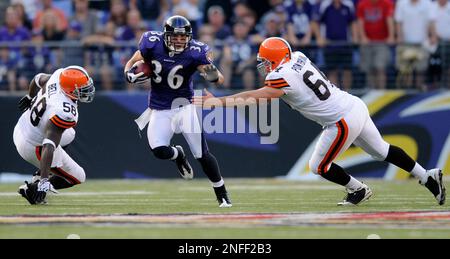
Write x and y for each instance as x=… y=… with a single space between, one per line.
x=201 y=53
x=148 y=41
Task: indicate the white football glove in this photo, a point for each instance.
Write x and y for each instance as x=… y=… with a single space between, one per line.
x=132 y=77
x=211 y=73
x=43 y=187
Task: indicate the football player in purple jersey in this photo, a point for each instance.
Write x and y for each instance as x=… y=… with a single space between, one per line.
x=174 y=57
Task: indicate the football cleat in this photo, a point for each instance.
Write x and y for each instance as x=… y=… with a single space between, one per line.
x=435 y=185
x=356 y=197
x=183 y=165
x=222 y=197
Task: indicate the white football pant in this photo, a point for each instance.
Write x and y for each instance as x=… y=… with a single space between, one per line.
x=164 y=123
x=62 y=164
x=356 y=127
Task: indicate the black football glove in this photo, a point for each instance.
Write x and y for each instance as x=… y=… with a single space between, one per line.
x=25 y=103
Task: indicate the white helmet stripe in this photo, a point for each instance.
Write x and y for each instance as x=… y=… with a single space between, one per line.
x=78 y=68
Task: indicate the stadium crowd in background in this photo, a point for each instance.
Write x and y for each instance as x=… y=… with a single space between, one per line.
x=373 y=44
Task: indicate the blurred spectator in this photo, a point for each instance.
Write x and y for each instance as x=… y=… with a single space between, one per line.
x=13 y=56
x=376 y=30
x=73 y=54
x=131 y=32
x=23 y=17
x=188 y=9
x=227 y=7
x=50 y=30
x=207 y=35
x=440 y=16
x=99 y=55
x=47 y=59
x=240 y=10
x=31 y=7
x=411 y=57
x=152 y=11
x=84 y=17
x=250 y=19
x=7 y=71
x=338 y=20
x=299 y=13
x=46 y=6
x=260 y=7
x=216 y=18
x=271 y=26
x=239 y=58
x=118 y=14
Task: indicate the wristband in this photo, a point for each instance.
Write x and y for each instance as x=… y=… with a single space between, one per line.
x=48 y=141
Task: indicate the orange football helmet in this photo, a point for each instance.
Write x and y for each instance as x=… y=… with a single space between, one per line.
x=77 y=84
x=273 y=52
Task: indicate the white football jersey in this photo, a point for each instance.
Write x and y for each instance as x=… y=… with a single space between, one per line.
x=308 y=91
x=50 y=105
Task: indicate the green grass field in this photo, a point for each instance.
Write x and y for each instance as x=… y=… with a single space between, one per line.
x=262 y=208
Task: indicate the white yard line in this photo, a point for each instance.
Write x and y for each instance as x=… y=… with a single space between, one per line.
x=97 y=193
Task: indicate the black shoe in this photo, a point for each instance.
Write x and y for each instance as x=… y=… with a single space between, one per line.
x=222 y=197
x=183 y=165
x=435 y=185
x=356 y=197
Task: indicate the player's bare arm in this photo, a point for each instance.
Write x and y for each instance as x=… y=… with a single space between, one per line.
x=243 y=98
x=135 y=58
x=53 y=136
x=35 y=86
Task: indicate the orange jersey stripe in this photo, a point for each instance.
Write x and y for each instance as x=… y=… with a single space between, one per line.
x=277 y=86
x=62 y=123
x=59 y=124
x=276 y=81
x=336 y=147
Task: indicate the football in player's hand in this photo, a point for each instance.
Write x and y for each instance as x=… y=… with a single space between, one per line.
x=143 y=67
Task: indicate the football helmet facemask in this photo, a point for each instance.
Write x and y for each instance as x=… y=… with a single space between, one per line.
x=177 y=25
x=77 y=84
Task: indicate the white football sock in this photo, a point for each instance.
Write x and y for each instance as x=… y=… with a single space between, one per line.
x=354 y=184
x=219 y=183
x=175 y=153
x=420 y=173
